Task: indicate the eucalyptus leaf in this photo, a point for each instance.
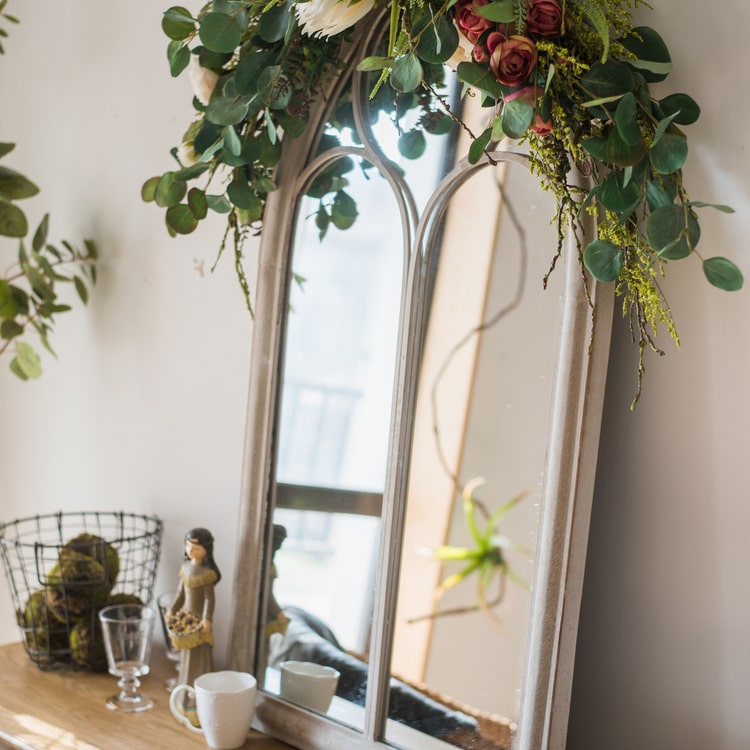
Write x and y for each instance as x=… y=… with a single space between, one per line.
x=406 y=74
x=437 y=38
x=661 y=128
x=669 y=154
x=412 y=144
x=14 y=186
x=232 y=142
x=683 y=108
x=6 y=148
x=40 y=236
x=375 y=63
x=220 y=32
x=270 y=153
x=26 y=363
x=249 y=68
x=659 y=194
x=499 y=11
x=596 y=147
x=196 y=199
x=190 y=173
x=343 y=210
x=180 y=219
x=177 y=23
x=169 y=190
x=603 y=260
x=622 y=154
x=673 y=231
x=12 y=221
x=616 y=196
x=10 y=329
x=478 y=145
x=518 y=115
x=8 y=306
x=240 y=193
x=648 y=47
x=218 y=204
x=179 y=58
x=722 y=273
x=225 y=111
x=274 y=23
x=718 y=206
x=626 y=120
x=83 y=292
x=608 y=79
x=479 y=77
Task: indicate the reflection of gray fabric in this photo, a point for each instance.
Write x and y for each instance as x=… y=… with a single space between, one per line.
x=408 y=706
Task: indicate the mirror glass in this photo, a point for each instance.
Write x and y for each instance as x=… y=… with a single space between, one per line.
x=482 y=418
x=481 y=411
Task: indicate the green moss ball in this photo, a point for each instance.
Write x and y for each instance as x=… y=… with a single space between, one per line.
x=76 y=584
x=43 y=632
x=87 y=646
x=101 y=550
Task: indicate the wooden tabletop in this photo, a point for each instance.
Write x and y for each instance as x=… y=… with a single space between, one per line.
x=65 y=710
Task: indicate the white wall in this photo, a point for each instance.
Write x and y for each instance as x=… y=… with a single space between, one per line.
x=663 y=654
x=144 y=410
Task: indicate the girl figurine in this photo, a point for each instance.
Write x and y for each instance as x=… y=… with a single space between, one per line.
x=191 y=613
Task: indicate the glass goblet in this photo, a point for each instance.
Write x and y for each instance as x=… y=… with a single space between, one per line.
x=127 y=631
x=164 y=602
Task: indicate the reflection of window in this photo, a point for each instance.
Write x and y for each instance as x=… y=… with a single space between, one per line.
x=336 y=398
x=314 y=433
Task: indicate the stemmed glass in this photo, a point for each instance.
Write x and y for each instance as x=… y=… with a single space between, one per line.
x=173 y=654
x=127 y=631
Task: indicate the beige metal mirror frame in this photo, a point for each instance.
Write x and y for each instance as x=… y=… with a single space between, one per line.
x=567 y=487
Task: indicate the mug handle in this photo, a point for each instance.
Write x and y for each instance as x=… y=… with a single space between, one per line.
x=178 y=711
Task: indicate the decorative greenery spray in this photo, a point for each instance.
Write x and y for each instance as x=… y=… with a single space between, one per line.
x=29 y=288
x=568 y=80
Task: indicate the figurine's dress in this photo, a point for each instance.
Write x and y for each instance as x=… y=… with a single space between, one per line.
x=196 y=594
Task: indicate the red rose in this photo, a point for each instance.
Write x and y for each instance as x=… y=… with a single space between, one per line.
x=512 y=61
x=528 y=93
x=471 y=24
x=544 y=17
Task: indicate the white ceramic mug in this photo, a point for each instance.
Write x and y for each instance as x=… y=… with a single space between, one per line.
x=308 y=684
x=225 y=703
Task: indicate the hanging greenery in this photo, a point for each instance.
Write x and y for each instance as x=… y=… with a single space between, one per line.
x=570 y=81
x=29 y=288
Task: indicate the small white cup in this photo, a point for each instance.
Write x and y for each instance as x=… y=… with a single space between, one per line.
x=225 y=703
x=308 y=684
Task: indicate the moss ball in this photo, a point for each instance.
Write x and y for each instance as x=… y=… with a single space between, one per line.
x=44 y=633
x=76 y=584
x=87 y=646
x=101 y=550
x=122 y=599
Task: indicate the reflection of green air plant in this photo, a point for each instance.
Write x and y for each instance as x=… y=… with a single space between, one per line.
x=486 y=558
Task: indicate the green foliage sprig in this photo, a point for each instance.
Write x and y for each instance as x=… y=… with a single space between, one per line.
x=486 y=560
x=29 y=299
x=29 y=289
x=569 y=80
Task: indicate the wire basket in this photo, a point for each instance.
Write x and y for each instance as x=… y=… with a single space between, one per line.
x=65 y=567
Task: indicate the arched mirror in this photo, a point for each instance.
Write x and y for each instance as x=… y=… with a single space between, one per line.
x=422 y=432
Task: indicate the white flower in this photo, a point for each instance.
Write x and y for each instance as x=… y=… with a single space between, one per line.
x=462 y=53
x=186 y=154
x=202 y=80
x=331 y=17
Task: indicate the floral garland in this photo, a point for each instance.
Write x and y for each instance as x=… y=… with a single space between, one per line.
x=569 y=80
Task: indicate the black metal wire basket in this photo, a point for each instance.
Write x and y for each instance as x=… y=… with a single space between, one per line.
x=63 y=568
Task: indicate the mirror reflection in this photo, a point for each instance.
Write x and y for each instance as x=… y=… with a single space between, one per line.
x=482 y=410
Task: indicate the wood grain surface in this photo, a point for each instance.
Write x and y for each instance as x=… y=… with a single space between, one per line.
x=65 y=710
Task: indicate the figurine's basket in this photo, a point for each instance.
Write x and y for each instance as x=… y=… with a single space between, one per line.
x=63 y=568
